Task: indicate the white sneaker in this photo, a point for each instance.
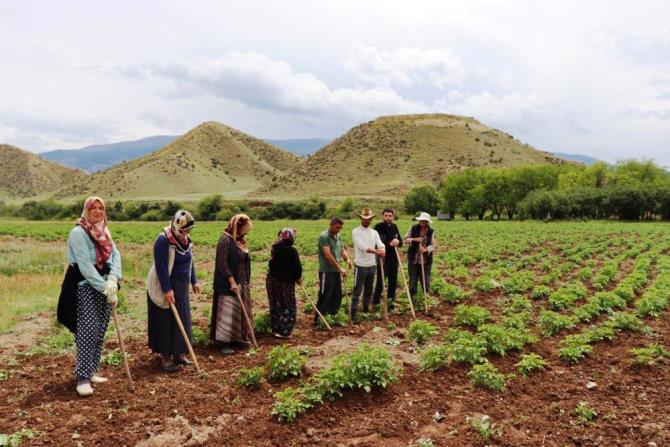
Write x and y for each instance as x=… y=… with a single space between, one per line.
x=85 y=389
x=99 y=379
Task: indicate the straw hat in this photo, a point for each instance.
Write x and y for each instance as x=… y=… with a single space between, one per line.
x=366 y=213
x=424 y=216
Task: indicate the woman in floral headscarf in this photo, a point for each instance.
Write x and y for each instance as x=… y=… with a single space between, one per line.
x=174 y=267
x=285 y=270
x=95 y=261
x=232 y=274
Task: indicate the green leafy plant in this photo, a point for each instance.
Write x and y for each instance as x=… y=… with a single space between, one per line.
x=283 y=362
x=289 y=405
x=551 y=322
x=649 y=355
x=251 y=377
x=16 y=439
x=473 y=316
x=529 y=363
x=339 y=319
x=585 y=413
x=200 y=337
x=4 y=375
x=434 y=358
x=488 y=376
x=420 y=331
x=468 y=348
x=112 y=358
x=483 y=426
x=574 y=352
x=262 y=324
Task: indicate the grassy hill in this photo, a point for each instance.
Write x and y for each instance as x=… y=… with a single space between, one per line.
x=102 y=156
x=211 y=158
x=26 y=175
x=385 y=157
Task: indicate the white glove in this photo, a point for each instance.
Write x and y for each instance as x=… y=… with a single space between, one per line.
x=112 y=300
x=111 y=287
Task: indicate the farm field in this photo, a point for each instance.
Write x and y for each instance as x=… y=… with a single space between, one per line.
x=537 y=334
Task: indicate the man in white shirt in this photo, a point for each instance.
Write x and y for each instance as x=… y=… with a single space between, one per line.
x=367 y=246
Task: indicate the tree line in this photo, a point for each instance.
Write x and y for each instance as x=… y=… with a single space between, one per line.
x=629 y=190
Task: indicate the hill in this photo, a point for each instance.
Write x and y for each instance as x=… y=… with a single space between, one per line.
x=385 y=157
x=27 y=175
x=584 y=159
x=102 y=156
x=211 y=158
x=301 y=146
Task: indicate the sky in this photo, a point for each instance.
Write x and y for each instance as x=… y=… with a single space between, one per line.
x=588 y=77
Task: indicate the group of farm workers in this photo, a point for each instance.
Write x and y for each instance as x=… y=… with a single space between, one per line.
x=89 y=291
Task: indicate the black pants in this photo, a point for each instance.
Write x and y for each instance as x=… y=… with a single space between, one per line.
x=390 y=273
x=330 y=293
x=364 y=278
x=415 y=277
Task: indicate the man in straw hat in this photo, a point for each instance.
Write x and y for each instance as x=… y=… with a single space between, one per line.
x=367 y=246
x=421 y=240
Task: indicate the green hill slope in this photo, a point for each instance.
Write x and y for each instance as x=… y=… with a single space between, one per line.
x=211 y=158
x=385 y=157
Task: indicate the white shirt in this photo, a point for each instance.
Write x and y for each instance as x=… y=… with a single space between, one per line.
x=365 y=239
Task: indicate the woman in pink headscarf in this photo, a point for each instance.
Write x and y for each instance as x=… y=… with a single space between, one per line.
x=285 y=270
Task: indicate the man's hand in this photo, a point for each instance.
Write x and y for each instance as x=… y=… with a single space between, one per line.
x=423 y=249
x=169 y=297
x=343 y=272
x=394 y=243
x=380 y=252
x=350 y=264
x=196 y=288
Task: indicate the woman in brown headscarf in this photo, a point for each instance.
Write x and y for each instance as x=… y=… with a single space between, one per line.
x=232 y=275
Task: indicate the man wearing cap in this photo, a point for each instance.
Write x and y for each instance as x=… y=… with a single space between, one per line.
x=367 y=246
x=390 y=236
x=422 y=244
x=331 y=253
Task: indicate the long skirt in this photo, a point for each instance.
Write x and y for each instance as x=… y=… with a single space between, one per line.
x=231 y=325
x=164 y=335
x=92 y=319
x=281 y=296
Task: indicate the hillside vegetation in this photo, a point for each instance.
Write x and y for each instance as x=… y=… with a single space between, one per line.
x=385 y=157
x=27 y=175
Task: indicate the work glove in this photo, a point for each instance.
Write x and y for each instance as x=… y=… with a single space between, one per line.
x=111 y=287
x=113 y=299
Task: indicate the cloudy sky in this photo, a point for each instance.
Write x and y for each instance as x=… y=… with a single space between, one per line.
x=589 y=77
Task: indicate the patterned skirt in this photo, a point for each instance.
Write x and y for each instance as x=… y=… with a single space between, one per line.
x=281 y=296
x=231 y=326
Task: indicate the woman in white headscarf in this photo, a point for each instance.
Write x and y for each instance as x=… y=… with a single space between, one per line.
x=174 y=267
x=95 y=261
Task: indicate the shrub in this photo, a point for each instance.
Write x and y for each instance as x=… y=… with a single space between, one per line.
x=262 y=323
x=251 y=377
x=420 y=331
x=471 y=315
x=529 y=363
x=283 y=362
x=488 y=376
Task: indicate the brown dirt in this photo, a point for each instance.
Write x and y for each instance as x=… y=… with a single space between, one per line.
x=183 y=409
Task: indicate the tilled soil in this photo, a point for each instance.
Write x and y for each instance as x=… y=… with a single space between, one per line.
x=633 y=403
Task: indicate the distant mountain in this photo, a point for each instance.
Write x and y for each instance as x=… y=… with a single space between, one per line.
x=102 y=156
x=211 y=158
x=24 y=174
x=588 y=161
x=301 y=146
x=387 y=156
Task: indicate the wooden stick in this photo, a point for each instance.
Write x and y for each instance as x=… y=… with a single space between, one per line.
x=183 y=334
x=343 y=280
x=122 y=347
x=246 y=317
x=423 y=283
x=385 y=310
x=315 y=308
x=409 y=297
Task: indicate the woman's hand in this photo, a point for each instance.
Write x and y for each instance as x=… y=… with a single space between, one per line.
x=233 y=285
x=196 y=288
x=169 y=297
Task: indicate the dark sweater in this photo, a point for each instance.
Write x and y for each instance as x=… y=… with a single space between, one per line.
x=284 y=264
x=388 y=232
x=180 y=268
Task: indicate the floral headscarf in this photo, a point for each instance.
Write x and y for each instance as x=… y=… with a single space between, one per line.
x=238 y=227
x=99 y=234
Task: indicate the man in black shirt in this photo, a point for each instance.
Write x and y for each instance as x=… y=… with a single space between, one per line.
x=390 y=236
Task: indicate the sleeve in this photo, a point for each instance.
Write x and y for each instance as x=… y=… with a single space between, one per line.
x=194 y=278
x=397 y=232
x=297 y=263
x=322 y=241
x=408 y=236
x=378 y=241
x=161 y=253
x=80 y=252
x=222 y=253
x=431 y=247
x=115 y=262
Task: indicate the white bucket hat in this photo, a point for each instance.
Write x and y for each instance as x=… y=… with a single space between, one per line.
x=424 y=216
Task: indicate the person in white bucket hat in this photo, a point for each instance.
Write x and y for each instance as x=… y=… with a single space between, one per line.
x=421 y=241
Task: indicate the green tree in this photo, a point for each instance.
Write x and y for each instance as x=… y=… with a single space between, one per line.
x=422 y=198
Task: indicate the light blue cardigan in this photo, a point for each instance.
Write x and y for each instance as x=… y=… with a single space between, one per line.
x=81 y=251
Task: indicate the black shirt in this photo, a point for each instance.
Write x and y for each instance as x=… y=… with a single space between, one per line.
x=388 y=232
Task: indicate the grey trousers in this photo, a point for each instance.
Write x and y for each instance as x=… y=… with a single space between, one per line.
x=415 y=278
x=364 y=278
